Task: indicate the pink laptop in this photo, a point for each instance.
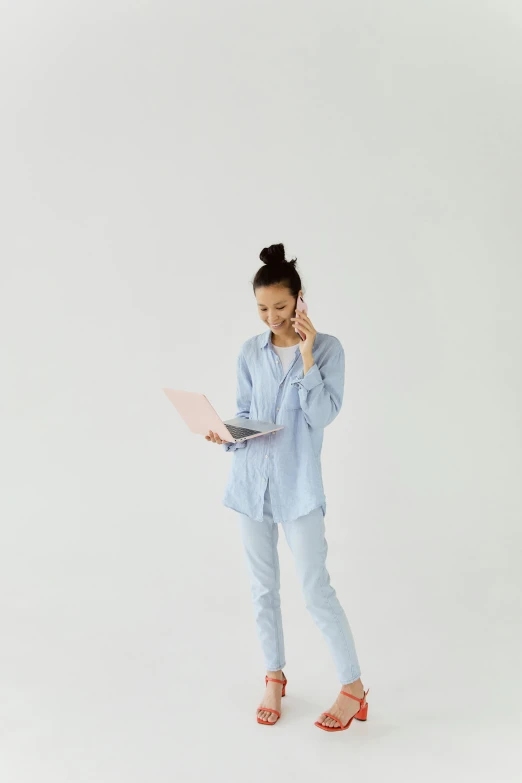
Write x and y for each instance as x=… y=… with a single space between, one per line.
x=201 y=417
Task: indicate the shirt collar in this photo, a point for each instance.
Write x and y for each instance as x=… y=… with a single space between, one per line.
x=267 y=340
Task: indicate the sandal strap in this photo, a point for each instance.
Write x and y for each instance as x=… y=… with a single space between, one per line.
x=334 y=717
x=362 y=701
x=268 y=709
x=271 y=679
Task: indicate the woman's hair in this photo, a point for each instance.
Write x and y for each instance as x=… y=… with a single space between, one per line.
x=277 y=270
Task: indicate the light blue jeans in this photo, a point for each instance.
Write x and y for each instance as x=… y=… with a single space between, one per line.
x=306 y=538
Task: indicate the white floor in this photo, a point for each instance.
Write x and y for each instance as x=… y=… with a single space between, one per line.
x=116 y=669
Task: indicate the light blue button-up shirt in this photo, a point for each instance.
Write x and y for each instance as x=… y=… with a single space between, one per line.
x=304 y=404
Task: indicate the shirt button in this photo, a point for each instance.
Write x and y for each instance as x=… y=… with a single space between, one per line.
x=277 y=409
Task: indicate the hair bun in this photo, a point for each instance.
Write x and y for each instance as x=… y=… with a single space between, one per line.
x=275 y=254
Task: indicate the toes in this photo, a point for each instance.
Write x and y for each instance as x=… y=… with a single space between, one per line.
x=324 y=720
x=265 y=715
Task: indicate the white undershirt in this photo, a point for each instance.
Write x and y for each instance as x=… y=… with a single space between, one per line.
x=286 y=355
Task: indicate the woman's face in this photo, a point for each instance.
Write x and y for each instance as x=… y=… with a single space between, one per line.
x=276 y=306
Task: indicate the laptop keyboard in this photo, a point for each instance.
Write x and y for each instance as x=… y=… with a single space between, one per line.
x=240 y=432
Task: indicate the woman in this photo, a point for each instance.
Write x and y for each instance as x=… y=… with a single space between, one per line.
x=276 y=478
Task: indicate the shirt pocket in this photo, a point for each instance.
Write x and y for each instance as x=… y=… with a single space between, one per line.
x=291 y=399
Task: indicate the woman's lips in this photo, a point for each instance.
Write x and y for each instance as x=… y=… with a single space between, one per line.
x=276 y=326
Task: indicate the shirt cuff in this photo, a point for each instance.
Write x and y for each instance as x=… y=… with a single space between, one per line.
x=234 y=446
x=309 y=381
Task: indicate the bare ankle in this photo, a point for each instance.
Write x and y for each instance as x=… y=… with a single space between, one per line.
x=354 y=687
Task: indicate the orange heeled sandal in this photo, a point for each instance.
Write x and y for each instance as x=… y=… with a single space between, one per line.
x=362 y=714
x=268 y=709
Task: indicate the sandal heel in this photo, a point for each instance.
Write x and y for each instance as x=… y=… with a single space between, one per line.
x=363 y=713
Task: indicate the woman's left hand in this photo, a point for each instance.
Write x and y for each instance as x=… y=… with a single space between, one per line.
x=304 y=324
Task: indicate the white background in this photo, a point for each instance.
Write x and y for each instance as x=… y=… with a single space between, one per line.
x=150 y=150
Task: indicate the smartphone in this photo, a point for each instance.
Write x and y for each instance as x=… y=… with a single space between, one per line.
x=303 y=307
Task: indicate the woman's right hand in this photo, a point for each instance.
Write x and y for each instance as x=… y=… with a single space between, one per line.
x=214 y=437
